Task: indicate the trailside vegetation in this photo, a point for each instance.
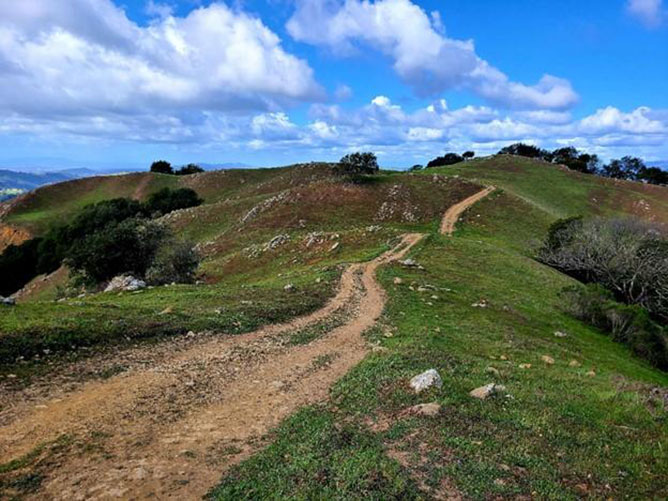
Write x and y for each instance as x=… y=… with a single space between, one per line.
x=101 y=240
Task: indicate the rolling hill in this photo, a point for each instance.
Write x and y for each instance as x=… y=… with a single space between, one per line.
x=286 y=372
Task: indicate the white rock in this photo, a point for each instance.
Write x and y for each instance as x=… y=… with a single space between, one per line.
x=125 y=283
x=7 y=301
x=432 y=409
x=485 y=391
x=289 y=288
x=560 y=334
x=426 y=380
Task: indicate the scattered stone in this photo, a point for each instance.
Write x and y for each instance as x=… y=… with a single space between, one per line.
x=503 y=357
x=335 y=246
x=492 y=370
x=426 y=380
x=318 y=280
x=166 y=311
x=8 y=301
x=125 y=283
x=190 y=334
x=547 y=359
x=373 y=229
x=289 y=288
x=486 y=391
x=500 y=482
x=379 y=349
x=431 y=409
x=410 y=263
x=435 y=298
x=388 y=334
x=398 y=281
x=574 y=363
x=591 y=374
x=560 y=334
x=277 y=241
x=480 y=304
x=525 y=366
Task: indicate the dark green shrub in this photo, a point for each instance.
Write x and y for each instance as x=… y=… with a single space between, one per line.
x=189 y=169
x=162 y=167
x=168 y=200
x=357 y=164
x=125 y=247
x=174 y=262
x=627 y=324
x=18 y=265
x=447 y=159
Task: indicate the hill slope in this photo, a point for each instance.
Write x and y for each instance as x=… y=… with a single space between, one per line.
x=596 y=428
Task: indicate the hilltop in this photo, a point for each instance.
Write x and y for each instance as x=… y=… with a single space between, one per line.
x=286 y=371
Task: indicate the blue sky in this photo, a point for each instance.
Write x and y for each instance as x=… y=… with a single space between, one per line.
x=117 y=84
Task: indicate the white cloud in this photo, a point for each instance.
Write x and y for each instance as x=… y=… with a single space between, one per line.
x=612 y=120
x=65 y=58
x=649 y=12
x=422 y=55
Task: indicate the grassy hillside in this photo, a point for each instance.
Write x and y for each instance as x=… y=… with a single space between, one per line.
x=242 y=213
x=560 y=192
x=593 y=423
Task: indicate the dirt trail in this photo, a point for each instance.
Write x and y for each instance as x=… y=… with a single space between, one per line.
x=452 y=215
x=169 y=430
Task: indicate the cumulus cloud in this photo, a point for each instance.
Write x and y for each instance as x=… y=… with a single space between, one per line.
x=60 y=59
x=422 y=55
x=648 y=12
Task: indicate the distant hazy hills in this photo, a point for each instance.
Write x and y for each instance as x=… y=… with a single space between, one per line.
x=15 y=182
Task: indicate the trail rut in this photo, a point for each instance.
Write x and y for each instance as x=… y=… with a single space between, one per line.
x=168 y=430
x=162 y=431
x=451 y=216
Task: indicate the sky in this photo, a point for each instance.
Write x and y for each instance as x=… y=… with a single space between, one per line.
x=119 y=83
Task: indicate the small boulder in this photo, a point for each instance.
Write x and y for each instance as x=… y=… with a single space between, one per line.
x=560 y=334
x=525 y=366
x=574 y=363
x=166 y=311
x=486 y=391
x=125 y=283
x=492 y=370
x=398 y=281
x=431 y=409
x=8 y=301
x=591 y=373
x=547 y=359
x=289 y=288
x=426 y=380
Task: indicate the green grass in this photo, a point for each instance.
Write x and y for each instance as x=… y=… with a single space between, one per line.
x=560 y=435
x=53 y=204
x=106 y=319
x=329 y=461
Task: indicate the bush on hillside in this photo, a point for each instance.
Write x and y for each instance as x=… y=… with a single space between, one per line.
x=628 y=324
x=574 y=160
x=447 y=159
x=18 y=264
x=186 y=170
x=416 y=168
x=174 y=262
x=525 y=150
x=628 y=257
x=126 y=247
x=162 y=167
x=357 y=164
x=168 y=200
x=468 y=155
